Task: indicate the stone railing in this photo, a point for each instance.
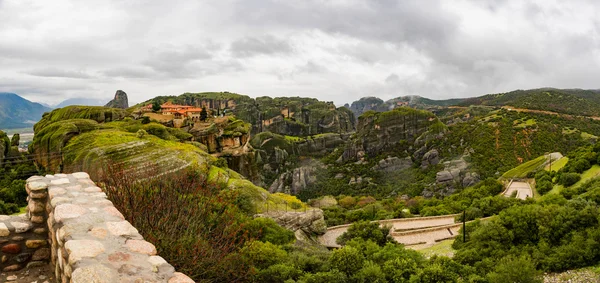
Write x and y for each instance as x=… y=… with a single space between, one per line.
x=71 y=223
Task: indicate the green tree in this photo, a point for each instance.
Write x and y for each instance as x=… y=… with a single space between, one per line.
x=203 y=114
x=399 y=270
x=262 y=255
x=15 y=140
x=367 y=231
x=156 y=106
x=347 y=260
x=334 y=276
x=434 y=273
x=515 y=269
x=370 y=273
x=568 y=179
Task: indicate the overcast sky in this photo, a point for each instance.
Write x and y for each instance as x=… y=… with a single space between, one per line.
x=337 y=50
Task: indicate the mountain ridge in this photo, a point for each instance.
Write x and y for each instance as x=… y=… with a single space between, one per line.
x=18 y=112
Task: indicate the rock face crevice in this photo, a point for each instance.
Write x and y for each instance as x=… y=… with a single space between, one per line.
x=120 y=101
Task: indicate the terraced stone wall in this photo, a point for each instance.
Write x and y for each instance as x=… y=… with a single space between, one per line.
x=71 y=223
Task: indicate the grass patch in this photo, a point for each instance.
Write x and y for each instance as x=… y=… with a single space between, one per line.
x=21 y=210
x=522 y=123
x=588 y=136
x=442 y=248
x=522 y=170
x=558 y=164
x=585 y=176
x=569 y=130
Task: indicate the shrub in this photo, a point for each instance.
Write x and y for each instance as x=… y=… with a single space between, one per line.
x=266 y=230
x=367 y=231
x=568 y=179
x=262 y=255
x=370 y=273
x=141 y=134
x=543 y=187
x=515 y=269
x=347 y=260
x=347 y=202
x=209 y=246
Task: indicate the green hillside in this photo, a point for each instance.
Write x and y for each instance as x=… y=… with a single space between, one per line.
x=568 y=101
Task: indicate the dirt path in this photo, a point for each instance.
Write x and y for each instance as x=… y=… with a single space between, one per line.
x=40 y=274
x=510 y=108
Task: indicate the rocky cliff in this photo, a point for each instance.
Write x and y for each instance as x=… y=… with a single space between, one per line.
x=292 y=116
x=120 y=101
x=278 y=157
x=395 y=130
x=295 y=180
x=367 y=104
x=78 y=142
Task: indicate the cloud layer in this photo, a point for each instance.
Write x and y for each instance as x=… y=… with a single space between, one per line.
x=337 y=50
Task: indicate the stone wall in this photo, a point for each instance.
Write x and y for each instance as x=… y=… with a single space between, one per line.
x=21 y=244
x=24 y=238
x=71 y=223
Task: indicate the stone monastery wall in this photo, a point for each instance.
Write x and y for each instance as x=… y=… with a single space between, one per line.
x=72 y=225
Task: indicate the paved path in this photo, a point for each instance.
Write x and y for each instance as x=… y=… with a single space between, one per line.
x=522 y=188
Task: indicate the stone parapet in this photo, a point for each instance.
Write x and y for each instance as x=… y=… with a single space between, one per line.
x=71 y=223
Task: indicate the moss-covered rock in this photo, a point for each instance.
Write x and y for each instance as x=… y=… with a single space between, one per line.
x=96 y=113
x=76 y=144
x=49 y=141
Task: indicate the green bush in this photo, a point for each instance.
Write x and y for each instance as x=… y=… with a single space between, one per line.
x=515 y=269
x=568 y=179
x=347 y=260
x=367 y=231
x=266 y=230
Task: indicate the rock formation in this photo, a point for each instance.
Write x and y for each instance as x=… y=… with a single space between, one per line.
x=298 y=179
x=432 y=157
x=398 y=129
x=393 y=164
x=120 y=101
x=306 y=225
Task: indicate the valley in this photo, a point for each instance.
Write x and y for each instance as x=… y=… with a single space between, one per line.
x=385 y=182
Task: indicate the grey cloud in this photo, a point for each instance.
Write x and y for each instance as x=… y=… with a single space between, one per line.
x=387 y=20
x=392 y=78
x=58 y=73
x=434 y=48
x=130 y=72
x=265 y=45
x=312 y=68
x=178 y=62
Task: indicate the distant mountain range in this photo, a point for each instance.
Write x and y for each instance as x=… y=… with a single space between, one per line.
x=82 y=101
x=568 y=101
x=18 y=112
